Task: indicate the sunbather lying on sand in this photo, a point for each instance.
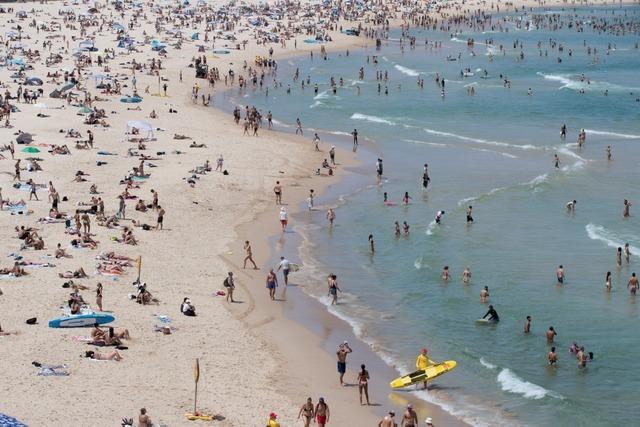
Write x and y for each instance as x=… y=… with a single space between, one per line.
x=78 y=274
x=99 y=356
x=15 y=270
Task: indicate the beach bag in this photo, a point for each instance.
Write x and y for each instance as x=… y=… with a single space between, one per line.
x=32 y=321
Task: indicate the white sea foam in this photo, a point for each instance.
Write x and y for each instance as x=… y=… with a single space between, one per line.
x=493 y=191
x=482 y=141
x=613 y=134
x=431 y=228
x=487 y=364
x=611 y=239
x=373 y=119
x=572 y=81
x=405 y=70
x=484 y=150
x=418 y=263
x=433 y=144
x=512 y=383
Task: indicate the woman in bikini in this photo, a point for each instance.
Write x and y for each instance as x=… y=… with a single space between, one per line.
x=363 y=383
x=99 y=296
x=307 y=411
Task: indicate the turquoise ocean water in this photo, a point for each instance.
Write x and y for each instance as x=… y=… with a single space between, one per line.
x=493 y=150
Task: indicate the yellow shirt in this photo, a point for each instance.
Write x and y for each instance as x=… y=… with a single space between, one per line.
x=273 y=423
x=423 y=362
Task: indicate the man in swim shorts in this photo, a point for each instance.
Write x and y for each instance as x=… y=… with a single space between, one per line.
x=343 y=351
x=409 y=418
x=322 y=412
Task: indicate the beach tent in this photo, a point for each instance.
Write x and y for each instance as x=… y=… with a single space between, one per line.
x=7 y=421
x=118 y=27
x=87 y=45
x=141 y=126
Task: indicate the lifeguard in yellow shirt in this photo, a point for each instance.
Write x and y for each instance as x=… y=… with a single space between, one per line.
x=423 y=362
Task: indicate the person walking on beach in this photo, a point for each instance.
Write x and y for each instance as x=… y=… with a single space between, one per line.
x=307 y=412
x=422 y=363
x=230 y=286
x=409 y=418
x=332 y=283
x=32 y=190
x=550 y=334
x=99 y=296
x=355 y=140
x=322 y=413
x=248 y=255
x=363 y=383
x=331 y=216
x=277 y=189
x=560 y=274
x=283 y=219
x=299 y=126
x=160 y=219
x=388 y=420
x=316 y=141
x=332 y=155
x=341 y=353
x=285 y=265
x=121 y=207
x=272 y=284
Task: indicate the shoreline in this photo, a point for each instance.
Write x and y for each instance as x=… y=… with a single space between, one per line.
x=304 y=317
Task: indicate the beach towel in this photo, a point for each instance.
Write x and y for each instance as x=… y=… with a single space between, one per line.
x=7 y=421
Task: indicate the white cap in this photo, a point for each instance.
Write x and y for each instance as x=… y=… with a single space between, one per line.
x=428 y=420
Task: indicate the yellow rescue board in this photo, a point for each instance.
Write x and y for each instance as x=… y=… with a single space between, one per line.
x=192 y=417
x=428 y=374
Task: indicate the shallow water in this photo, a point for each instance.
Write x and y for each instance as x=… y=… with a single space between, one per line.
x=494 y=151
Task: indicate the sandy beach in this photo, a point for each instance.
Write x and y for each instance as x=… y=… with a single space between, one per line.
x=254 y=358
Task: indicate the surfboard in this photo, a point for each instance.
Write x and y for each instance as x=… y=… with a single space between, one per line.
x=81 y=320
x=388 y=203
x=432 y=372
x=485 y=321
x=202 y=417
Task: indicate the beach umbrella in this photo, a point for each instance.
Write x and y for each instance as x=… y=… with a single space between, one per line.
x=85 y=110
x=30 y=150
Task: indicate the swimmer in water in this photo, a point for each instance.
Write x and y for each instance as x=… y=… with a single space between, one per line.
x=619 y=257
x=466 y=275
x=527 y=325
x=372 y=244
x=445 y=273
x=484 y=294
x=633 y=284
x=550 y=334
x=406 y=198
x=469 y=217
x=608 y=150
x=493 y=315
x=425 y=177
x=439 y=215
x=405 y=228
x=556 y=161
x=563 y=132
x=560 y=274
x=607 y=282
x=627 y=253
x=552 y=357
x=386 y=199
x=571 y=206
x=627 y=205
x=397 y=227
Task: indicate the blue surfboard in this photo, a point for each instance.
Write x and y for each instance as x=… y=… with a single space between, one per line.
x=81 y=320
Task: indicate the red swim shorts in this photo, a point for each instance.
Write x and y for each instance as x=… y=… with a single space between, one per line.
x=321 y=419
